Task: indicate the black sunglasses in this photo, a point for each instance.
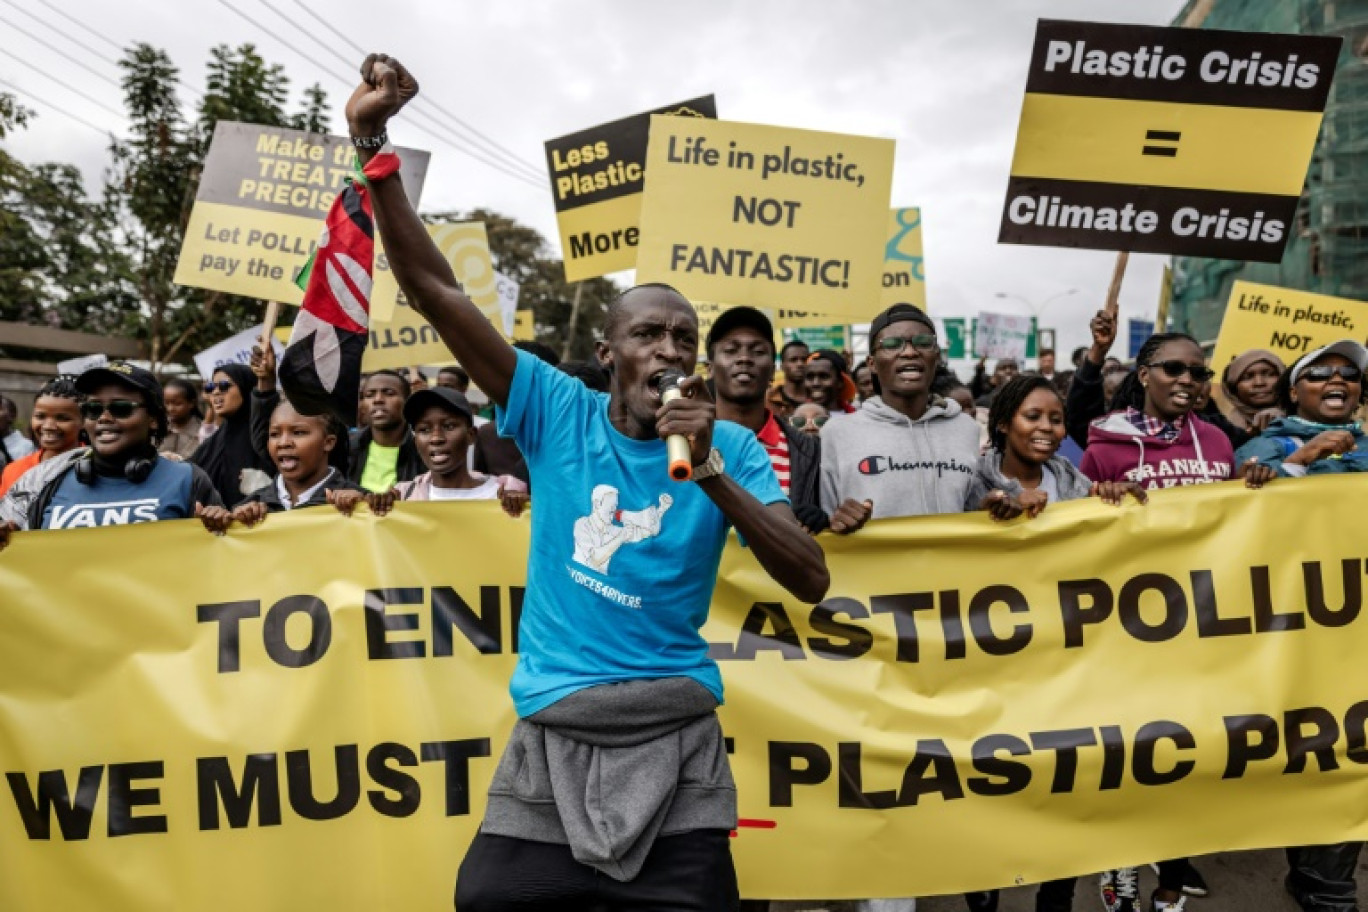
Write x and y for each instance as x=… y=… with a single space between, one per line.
x=218 y=386
x=922 y=342
x=91 y=409
x=1322 y=373
x=1176 y=369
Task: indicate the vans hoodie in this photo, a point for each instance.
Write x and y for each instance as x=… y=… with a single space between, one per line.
x=1119 y=451
x=905 y=467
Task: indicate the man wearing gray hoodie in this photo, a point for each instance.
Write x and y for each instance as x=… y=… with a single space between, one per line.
x=905 y=452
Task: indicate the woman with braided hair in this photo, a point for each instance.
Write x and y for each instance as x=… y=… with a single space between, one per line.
x=56 y=426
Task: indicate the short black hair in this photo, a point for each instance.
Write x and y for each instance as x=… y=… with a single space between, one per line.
x=389 y=372
x=189 y=391
x=62 y=386
x=792 y=343
x=1008 y=400
x=613 y=314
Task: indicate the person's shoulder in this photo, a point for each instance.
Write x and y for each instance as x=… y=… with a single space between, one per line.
x=728 y=435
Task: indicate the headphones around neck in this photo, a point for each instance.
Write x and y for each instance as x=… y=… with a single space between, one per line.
x=135 y=470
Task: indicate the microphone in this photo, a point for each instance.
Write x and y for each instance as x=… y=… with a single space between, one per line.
x=677 y=450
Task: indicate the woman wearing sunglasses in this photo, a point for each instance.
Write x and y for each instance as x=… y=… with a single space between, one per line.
x=1152 y=435
x=121 y=479
x=228 y=458
x=809 y=418
x=1320 y=394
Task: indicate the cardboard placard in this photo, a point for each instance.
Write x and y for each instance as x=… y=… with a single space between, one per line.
x=261 y=203
x=904 y=273
x=596 y=182
x=1286 y=321
x=1166 y=140
x=766 y=216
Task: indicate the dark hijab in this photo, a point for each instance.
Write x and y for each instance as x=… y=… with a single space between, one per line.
x=224 y=455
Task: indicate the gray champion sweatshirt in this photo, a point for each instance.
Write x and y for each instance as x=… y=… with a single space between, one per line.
x=906 y=467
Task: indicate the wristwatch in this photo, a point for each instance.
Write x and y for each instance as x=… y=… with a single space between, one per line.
x=712 y=466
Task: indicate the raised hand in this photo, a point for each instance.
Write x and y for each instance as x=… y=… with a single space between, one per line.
x=263 y=366
x=1103 y=328
x=385 y=88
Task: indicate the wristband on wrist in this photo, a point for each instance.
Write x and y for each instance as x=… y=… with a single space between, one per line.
x=371 y=142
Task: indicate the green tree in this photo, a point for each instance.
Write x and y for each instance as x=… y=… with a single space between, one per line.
x=312 y=117
x=521 y=253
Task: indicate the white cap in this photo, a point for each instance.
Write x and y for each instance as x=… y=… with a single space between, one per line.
x=1346 y=348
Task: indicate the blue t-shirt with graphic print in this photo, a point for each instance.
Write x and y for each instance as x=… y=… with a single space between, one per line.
x=166 y=493
x=624 y=559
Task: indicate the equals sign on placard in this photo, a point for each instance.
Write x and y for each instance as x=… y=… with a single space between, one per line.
x=1162 y=136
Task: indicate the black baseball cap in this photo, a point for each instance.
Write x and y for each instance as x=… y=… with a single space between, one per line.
x=123 y=374
x=736 y=318
x=899 y=313
x=442 y=396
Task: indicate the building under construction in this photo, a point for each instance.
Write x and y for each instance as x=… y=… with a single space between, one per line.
x=1328 y=250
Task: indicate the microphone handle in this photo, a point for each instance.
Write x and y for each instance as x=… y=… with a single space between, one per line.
x=679 y=455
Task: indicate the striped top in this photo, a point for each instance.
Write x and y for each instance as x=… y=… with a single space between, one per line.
x=772 y=438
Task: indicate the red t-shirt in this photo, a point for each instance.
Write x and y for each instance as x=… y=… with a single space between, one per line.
x=17 y=468
x=772 y=438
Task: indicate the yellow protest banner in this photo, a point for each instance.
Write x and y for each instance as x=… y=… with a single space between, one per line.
x=596 y=181
x=904 y=275
x=766 y=216
x=310 y=716
x=1285 y=321
x=260 y=206
x=405 y=338
x=1137 y=138
x=524 y=329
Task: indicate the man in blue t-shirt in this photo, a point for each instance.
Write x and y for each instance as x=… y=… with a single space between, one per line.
x=616 y=766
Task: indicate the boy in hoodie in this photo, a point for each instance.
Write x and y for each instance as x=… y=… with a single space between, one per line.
x=905 y=452
x=1157 y=440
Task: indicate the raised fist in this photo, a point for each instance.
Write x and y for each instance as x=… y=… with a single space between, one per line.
x=385 y=88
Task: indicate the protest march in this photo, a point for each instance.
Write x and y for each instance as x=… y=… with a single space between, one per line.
x=364 y=548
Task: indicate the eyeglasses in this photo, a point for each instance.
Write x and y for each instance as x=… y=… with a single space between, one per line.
x=802 y=421
x=218 y=386
x=1176 y=369
x=923 y=342
x=91 y=409
x=1322 y=373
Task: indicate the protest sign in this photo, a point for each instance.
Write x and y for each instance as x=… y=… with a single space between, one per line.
x=236 y=349
x=596 y=182
x=507 y=289
x=405 y=338
x=524 y=329
x=82 y=364
x=1166 y=140
x=904 y=276
x=1286 y=321
x=766 y=216
x=1003 y=336
x=835 y=338
x=954 y=337
x=319 y=732
x=1137 y=332
x=260 y=206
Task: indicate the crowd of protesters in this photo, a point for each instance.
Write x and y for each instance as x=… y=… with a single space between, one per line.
x=898 y=435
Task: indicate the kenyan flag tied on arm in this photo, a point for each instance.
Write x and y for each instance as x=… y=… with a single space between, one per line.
x=320 y=372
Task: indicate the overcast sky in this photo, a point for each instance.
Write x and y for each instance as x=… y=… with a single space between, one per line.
x=943 y=79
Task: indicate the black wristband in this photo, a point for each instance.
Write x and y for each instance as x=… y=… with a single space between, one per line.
x=370 y=142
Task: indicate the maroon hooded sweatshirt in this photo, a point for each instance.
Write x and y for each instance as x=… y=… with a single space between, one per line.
x=1119 y=451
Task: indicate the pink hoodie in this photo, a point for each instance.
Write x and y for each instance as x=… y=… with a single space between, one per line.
x=1119 y=451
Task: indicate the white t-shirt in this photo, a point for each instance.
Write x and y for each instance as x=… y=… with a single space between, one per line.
x=488 y=490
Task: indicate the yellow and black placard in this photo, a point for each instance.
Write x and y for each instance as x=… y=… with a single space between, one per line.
x=261 y=203
x=904 y=274
x=596 y=181
x=1166 y=140
x=306 y=714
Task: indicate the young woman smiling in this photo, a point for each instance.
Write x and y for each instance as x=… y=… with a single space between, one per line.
x=56 y=426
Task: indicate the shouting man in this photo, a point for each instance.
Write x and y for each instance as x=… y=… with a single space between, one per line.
x=614 y=688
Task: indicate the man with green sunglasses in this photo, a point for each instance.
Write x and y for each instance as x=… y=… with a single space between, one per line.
x=120 y=479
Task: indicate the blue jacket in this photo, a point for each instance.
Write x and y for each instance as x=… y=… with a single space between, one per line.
x=1285 y=436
